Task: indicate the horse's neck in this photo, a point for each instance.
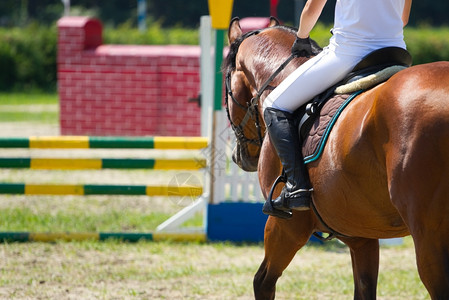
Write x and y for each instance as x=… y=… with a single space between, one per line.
x=268 y=69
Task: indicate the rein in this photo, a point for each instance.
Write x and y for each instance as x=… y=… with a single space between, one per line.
x=252 y=108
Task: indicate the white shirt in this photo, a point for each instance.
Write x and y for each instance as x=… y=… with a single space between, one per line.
x=362 y=26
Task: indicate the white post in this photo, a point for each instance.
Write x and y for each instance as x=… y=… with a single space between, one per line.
x=207 y=102
x=206 y=76
x=66 y=7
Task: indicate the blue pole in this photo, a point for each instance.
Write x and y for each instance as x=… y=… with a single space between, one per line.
x=141 y=14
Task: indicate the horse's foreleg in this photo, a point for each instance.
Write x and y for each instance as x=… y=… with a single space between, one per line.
x=365 y=266
x=283 y=238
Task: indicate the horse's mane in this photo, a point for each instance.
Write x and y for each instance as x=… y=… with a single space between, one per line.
x=229 y=64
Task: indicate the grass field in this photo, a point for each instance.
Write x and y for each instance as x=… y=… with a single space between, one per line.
x=147 y=270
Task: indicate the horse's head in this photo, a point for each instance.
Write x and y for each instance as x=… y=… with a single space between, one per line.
x=252 y=58
x=242 y=111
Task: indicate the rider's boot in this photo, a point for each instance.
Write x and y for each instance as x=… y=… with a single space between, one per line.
x=296 y=194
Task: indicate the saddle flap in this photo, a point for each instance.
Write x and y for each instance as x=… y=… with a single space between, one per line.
x=314 y=142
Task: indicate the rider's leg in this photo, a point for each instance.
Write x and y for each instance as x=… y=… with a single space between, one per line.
x=309 y=80
x=282 y=128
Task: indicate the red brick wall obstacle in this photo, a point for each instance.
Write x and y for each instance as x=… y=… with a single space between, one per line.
x=124 y=90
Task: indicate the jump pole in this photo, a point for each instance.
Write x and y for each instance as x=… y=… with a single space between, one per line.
x=96 y=189
x=101 y=163
x=99 y=236
x=101 y=142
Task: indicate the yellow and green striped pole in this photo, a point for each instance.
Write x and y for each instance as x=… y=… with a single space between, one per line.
x=99 y=236
x=97 y=142
x=92 y=189
x=101 y=163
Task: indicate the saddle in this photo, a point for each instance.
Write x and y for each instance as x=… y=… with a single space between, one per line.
x=319 y=115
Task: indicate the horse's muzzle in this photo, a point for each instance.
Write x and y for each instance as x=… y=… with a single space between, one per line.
x=241 y=157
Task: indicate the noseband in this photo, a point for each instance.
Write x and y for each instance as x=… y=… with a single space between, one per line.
x=252 y=108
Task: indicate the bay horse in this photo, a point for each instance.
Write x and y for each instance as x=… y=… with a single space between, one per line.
x=383 y=173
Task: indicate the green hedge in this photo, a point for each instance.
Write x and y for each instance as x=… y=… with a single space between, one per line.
x=28 y=55
x=428 y=44
x=425 y=44
x=154 y=35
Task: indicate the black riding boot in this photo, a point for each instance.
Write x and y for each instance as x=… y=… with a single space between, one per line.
x=296 y=194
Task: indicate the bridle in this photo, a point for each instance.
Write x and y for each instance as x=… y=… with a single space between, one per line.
x=252 y=108
x=252 y=112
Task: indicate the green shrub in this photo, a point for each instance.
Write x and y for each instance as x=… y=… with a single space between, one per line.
x=8 y=74
x=28 y=58
x=154 y=35
x=428 y=44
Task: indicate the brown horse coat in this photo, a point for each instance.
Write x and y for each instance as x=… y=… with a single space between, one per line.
x=384 y=171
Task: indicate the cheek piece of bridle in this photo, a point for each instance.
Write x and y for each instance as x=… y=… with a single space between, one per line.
x=252 y=108
x=251 y=113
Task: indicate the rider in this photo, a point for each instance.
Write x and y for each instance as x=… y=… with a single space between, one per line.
x=360 y=27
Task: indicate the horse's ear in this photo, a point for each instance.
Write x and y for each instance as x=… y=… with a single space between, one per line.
x=274 y=22
x=234 y=30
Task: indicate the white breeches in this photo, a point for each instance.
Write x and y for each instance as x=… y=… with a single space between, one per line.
x=310 y=79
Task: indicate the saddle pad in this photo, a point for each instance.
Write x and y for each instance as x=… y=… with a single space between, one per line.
x=369 y=81
x=314 y=143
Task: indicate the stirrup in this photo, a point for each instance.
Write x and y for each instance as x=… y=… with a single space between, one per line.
x=268 y=207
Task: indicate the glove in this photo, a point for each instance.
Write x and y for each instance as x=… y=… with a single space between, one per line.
x=302 y=48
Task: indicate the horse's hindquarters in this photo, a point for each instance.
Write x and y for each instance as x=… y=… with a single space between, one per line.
x=418 y=167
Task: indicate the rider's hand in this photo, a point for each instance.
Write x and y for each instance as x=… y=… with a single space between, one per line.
x=303 y=47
